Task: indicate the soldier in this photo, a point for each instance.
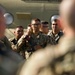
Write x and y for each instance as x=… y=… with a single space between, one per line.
x=56 y=32
x=44 y=27
x=60 y=59
x=9 y=60
x=19 y=30
x=23 y=41
x=37 y=39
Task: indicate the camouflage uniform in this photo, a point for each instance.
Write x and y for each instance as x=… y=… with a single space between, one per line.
x=8 y=60
x=40 y=39
x=34 y=40
x=23 y=42
x=15 y=46
x=65 y=64
x=52 y=62
x=56 y=37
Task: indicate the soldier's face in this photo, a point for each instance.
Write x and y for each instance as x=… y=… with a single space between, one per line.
x=35 y=25
x=2 y=26
x=19 y=32
x=55 y=26
x=45 y=28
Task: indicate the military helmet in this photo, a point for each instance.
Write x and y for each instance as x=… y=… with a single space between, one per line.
x=54 y=17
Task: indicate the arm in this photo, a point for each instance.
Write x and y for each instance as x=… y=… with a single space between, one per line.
x=37 y=61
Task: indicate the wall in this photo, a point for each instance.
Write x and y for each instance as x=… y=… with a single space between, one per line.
x=43 y=11
x=38 y=10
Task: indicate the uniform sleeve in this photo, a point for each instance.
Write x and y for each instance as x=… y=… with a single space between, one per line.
x=37 y=61
x=21 y=41
x=45 y=40
x=7 y=43
x=51 y=40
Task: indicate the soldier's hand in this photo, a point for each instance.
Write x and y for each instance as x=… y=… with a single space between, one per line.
x=28 y=33
x=14 y=48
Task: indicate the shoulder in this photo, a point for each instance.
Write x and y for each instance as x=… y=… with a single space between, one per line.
x=42 y=34
x=2 y=45
x=5 y=39
x=1 y=42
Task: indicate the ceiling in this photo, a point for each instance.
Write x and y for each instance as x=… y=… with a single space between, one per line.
x=19 y=4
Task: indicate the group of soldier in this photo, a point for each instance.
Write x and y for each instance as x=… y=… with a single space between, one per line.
x=43 y=50
x=57 y=59
x=36 y=37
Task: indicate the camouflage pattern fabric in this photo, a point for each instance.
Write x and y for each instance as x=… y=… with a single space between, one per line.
x=9 y=60
x=16 y=48
x=53 y=60
x=56 y=37
x=33 y=40
x=6 y=42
